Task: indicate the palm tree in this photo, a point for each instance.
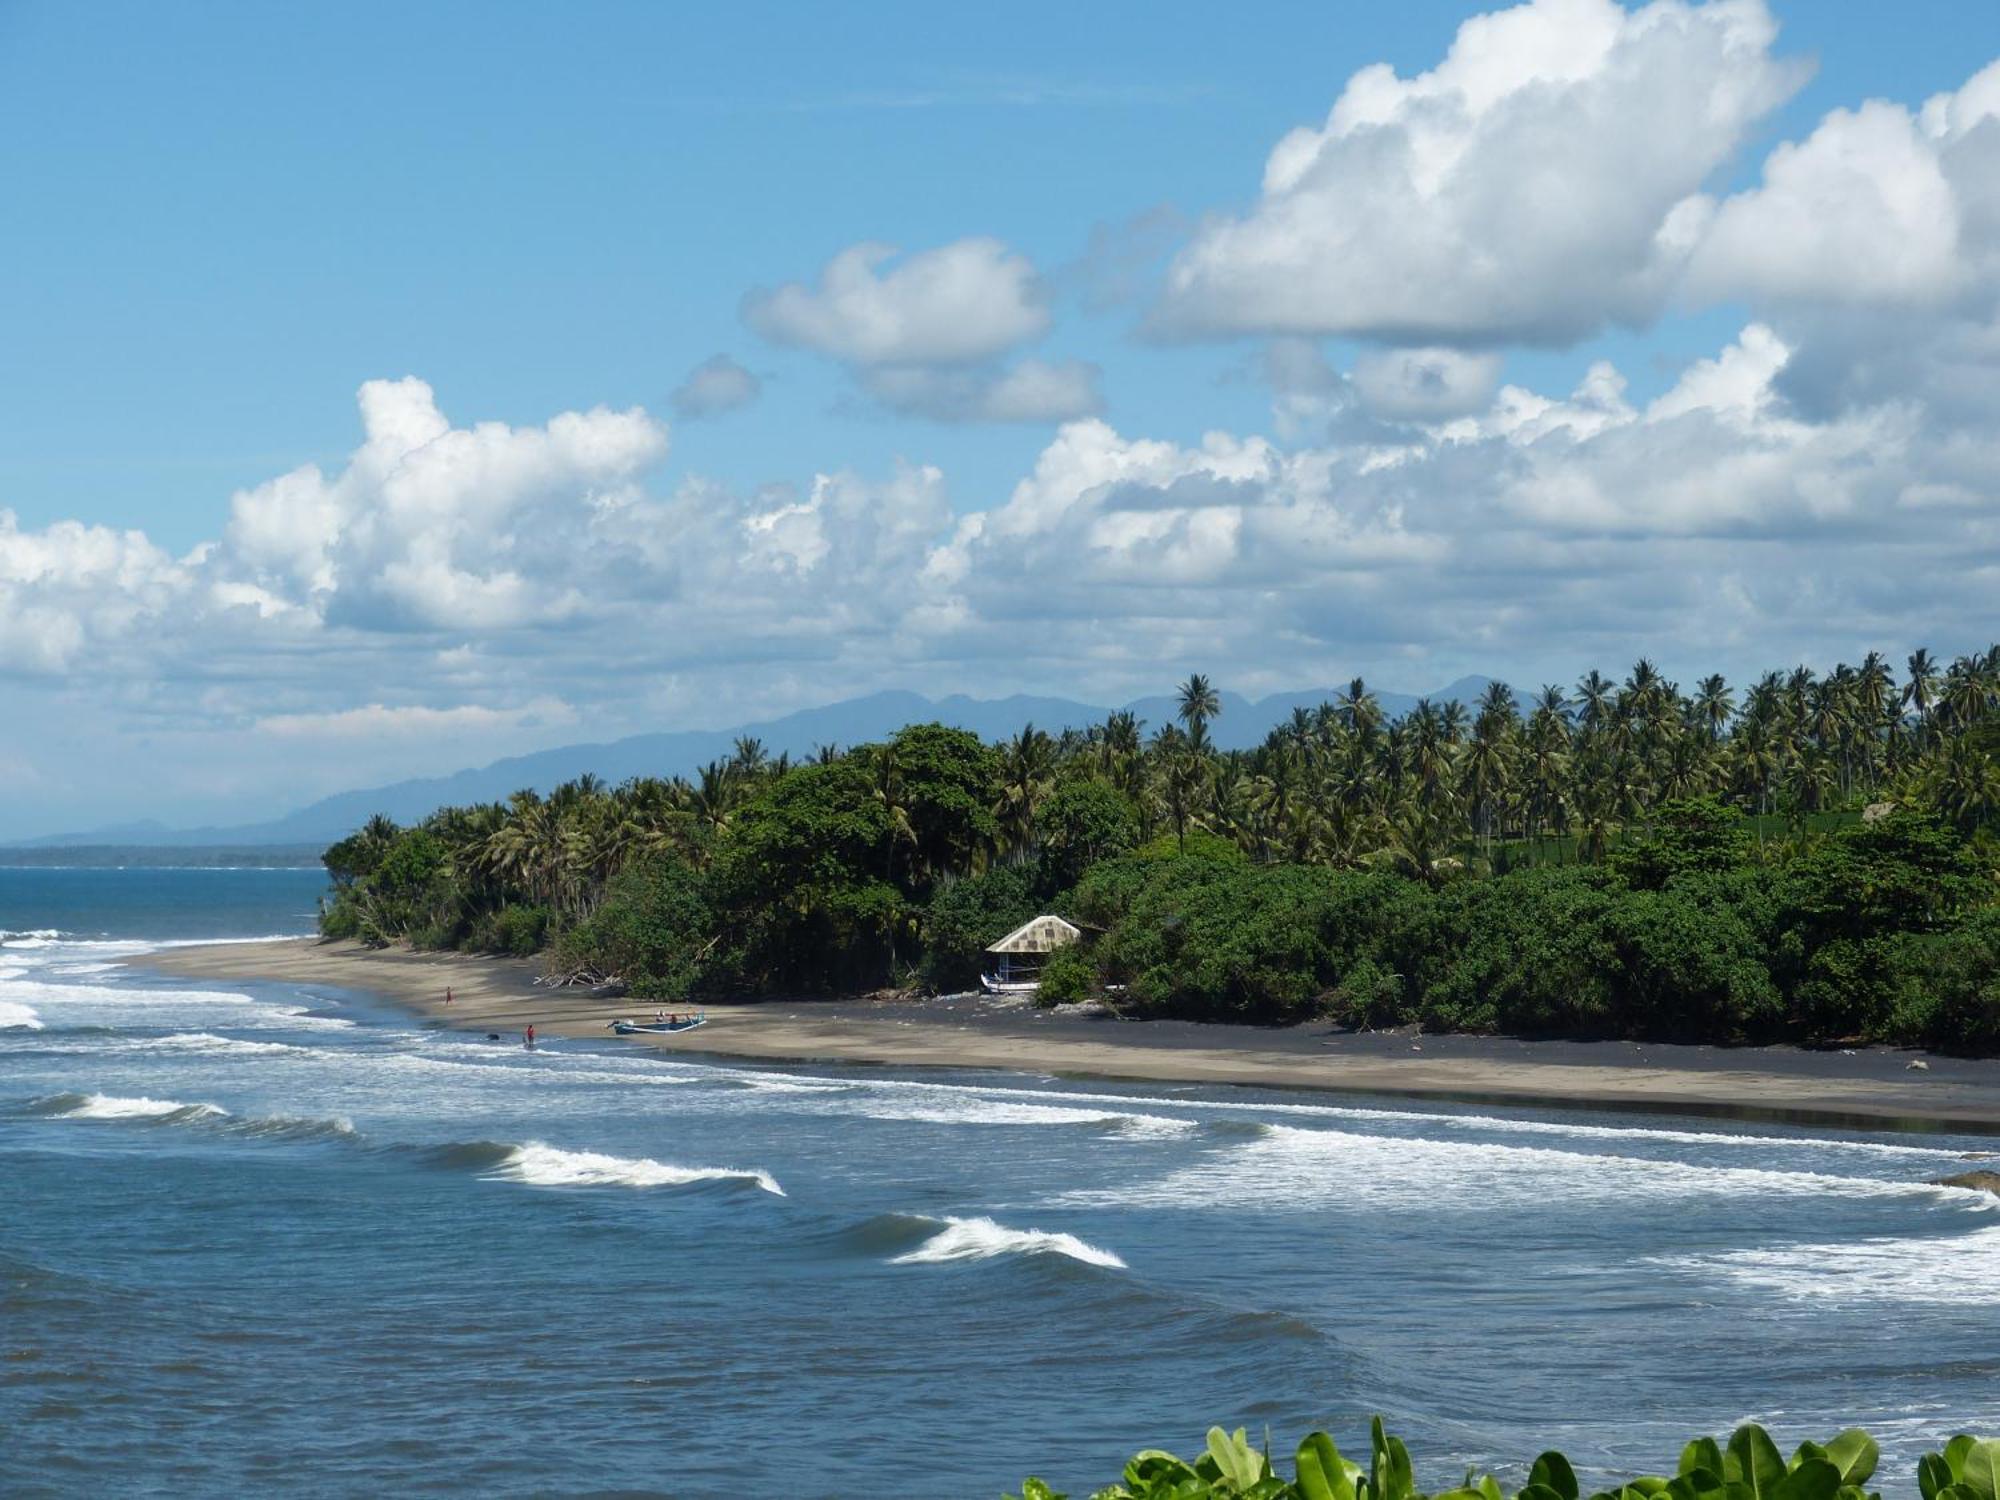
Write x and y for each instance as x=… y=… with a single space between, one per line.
x=750 y=759
x=1360 y=711
x=1199 y=703
x=1920 y=692
x=1964 y=783
x=1027 y=767
x=1418 y=840
x=1181 y=782
x=1713 y=705
x=887 y=773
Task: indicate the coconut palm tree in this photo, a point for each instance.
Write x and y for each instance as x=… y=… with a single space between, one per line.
x=1182 y=783
x=1593 y=700
x=1921 y=689
x=1361 y=712
x=1027 y=768
x=1713 y=706
x=1199 y=703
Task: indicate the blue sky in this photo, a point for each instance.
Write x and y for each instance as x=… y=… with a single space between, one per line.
x=225 y=217
x=222 y=220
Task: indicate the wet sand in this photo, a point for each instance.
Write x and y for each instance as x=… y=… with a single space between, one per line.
x=1870 y=1086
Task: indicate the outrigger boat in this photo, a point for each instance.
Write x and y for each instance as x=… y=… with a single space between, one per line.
x=663 y=1027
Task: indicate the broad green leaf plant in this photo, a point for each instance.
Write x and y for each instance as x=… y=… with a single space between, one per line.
x=1750 y=1466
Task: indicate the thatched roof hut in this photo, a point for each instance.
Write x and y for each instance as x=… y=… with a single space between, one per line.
x=1044 y=934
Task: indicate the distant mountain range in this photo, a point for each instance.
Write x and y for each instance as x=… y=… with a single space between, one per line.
x=1241 y=724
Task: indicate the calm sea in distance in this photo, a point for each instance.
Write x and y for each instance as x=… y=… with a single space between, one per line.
x=265 y=1239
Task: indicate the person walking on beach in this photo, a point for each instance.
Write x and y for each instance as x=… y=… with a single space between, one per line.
x=447 y=994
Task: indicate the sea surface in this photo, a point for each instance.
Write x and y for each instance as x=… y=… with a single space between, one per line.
x=266 y=1239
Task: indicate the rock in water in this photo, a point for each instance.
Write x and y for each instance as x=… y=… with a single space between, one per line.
x=1979 y=1181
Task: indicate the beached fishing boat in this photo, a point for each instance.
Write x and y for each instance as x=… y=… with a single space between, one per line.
x=660 y=1028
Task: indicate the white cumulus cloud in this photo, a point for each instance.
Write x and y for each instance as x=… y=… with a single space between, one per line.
x=971 y=300
x=1522 y=190
x=929 y=335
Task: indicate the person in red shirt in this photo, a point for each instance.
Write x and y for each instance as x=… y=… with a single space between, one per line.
x=531 y=1034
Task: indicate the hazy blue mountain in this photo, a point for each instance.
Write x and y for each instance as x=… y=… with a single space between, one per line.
x=1242 y=723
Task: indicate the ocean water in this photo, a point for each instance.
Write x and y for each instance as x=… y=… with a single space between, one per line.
x=264 y=1239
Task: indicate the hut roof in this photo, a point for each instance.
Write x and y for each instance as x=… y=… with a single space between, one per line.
x=1044 y=934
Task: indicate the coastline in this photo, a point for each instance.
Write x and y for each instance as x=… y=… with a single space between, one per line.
x=1868 y=1088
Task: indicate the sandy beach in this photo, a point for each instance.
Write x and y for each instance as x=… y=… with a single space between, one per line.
x=1868 y=1086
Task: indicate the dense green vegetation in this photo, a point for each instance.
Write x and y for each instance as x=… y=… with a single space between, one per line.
x=1816 y=863
x=1750 y=1466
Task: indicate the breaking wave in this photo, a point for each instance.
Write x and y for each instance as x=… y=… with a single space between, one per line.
x=540 y=1165
x=987 y=1239
x=15 y=1016
x=119 y=1107
x=142 y=1110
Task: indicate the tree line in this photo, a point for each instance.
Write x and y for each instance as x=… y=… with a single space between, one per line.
x=1810 y=858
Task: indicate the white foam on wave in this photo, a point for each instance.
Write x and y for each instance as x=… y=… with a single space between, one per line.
x=117 y=1107
x=981 y=1110
x=44 y=948
x=1947 y=1270
x=299 y=1018
x=208 y=1043
x=16 y=1016
x=1231 y=1109
x=985 y=1239
x=550 y=1166
x=1291 y=1166
x=43 y=992
x=1578 y=1129
x=766 y=1084
x=544 y=1067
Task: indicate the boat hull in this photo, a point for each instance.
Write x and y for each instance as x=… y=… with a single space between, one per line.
x=994 y=986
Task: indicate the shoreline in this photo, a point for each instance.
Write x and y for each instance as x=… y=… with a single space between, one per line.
x=1871 y=1088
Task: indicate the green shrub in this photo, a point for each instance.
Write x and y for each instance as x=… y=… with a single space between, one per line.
x=520 y=930
x=1749 y=1465
x=1947 y=988
x=1699 y=836
x=1067 y=977
x=1083 y=822
x=340 y=920
x=652 y=930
